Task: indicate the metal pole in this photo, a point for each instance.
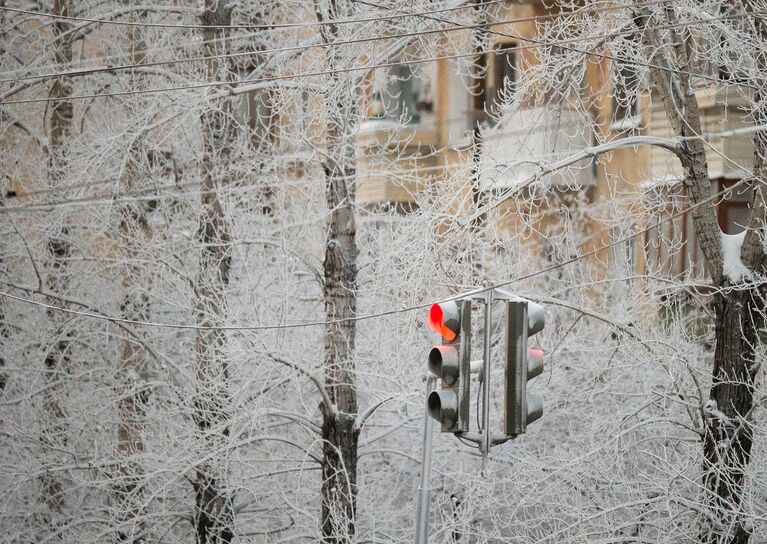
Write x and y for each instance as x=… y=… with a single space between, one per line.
x=485 y=447
x=424 y=490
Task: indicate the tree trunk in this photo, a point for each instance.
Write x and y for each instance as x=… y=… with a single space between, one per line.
x=213 y=514
x=479 y=99
x=4 y=332
x=339 y=432
x=739 y=317
x=728 y=429
x=133 y=396
x=132 y=373
x=728 y=433
x=56 y=356
x=340 y=436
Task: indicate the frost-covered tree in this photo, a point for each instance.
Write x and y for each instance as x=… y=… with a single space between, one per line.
x=212 y=332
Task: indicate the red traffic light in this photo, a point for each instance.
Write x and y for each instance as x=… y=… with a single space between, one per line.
x=445 y=320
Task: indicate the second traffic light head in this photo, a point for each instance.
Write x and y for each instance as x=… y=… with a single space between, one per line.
x=522 y=364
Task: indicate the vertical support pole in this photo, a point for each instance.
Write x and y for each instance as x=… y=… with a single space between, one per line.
x=424 y=489
x=485 y=446
x=464 y=360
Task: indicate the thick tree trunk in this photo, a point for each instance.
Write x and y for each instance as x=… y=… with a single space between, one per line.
x=339 y=433
x=728 y=433
x=739 y=317
x=728 y=430
x=340 y=436
x=56 y=356
x=213 y=513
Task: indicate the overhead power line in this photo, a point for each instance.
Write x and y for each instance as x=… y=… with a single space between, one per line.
x=176 y=190
x=105 y=317
x=259 y=52
x=195 y=41
x=275 y=26
x=563 y=44
x=233 y=84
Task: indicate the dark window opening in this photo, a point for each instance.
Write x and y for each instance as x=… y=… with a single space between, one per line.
x=626 y=94
x=734 y=211
x=501 y=79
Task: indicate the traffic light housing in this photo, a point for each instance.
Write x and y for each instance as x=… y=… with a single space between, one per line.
x=451 y=362
x=523 y=319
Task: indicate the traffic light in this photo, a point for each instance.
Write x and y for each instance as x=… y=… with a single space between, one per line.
x=451 y=362
x=523 y=319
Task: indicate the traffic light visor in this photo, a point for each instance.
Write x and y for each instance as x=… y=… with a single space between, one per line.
x=444 y=319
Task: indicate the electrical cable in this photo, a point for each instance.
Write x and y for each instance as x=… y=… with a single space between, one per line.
x=242 y=36
x=233 y=84
x=275 y=26
x=149 y=194
x=196 y=42
x=372 y=66
x=587 y=53
x=110 y=69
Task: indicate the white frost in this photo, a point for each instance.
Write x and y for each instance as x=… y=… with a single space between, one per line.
x=732 y=266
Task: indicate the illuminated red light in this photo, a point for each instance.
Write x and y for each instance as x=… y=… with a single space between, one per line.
x=436 y=323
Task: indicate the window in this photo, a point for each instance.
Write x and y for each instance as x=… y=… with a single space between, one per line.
x=702 y=59
x=403 y=97
x=718 y=54
x=567 y=79
x=622 y=272
x=625 y=94
x=501 y=78
x=735 y=64
x=669 y=244
x=626 y=77
x=623 y=253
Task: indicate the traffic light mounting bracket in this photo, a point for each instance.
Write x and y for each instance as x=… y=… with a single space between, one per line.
x=464 y=362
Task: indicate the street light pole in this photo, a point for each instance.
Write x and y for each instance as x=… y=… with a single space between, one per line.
x=424 y=490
